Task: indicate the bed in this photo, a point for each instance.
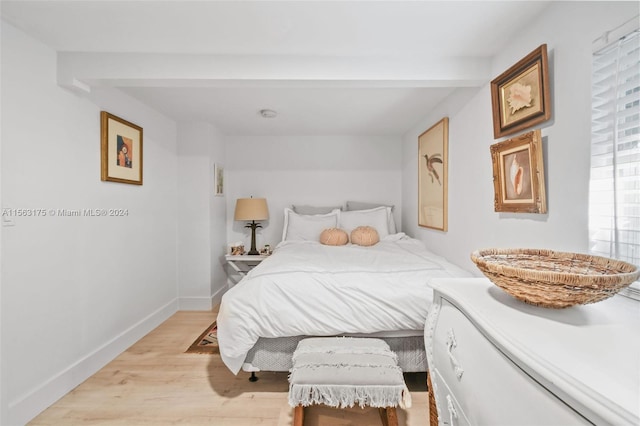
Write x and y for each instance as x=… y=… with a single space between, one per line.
x=306 y=288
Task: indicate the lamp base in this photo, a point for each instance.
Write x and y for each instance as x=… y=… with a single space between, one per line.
x=253 y=225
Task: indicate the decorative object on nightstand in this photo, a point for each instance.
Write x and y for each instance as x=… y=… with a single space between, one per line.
x=554 y=279
x=237 y=249
x=252 y=209
x=266 y=250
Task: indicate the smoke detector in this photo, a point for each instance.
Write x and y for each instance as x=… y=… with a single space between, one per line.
x=268 y=113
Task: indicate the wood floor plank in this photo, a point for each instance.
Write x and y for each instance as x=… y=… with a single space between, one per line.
x=155 y=383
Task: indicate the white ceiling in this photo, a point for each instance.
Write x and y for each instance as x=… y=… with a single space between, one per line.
x=327 y=67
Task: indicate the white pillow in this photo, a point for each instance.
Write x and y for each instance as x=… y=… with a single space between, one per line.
x=302 y=209
x=357 y=205
x=303 y=227
x=391 y=221
x=377 y=218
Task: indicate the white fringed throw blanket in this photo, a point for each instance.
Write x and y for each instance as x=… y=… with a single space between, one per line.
x=344 y=371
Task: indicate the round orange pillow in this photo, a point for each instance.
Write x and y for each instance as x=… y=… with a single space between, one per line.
x=365 y=236
x=334 y=237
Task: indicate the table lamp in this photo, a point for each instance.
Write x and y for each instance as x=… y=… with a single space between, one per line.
x=252 y=209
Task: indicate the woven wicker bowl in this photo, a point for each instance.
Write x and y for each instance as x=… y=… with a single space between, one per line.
x=554 y=279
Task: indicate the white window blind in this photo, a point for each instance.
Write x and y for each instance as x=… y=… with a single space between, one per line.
x=614 y=191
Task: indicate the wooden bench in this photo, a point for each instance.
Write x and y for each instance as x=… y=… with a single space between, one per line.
x=345 y=371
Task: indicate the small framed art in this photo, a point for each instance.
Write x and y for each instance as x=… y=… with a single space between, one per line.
x=432 y=176
x=518 y=174
x=121 y=150
x=520 y=96
x=218 y=180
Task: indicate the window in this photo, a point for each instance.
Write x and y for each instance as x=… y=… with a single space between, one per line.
x=614 y=190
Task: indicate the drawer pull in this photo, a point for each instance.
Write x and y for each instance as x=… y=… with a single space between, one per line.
x=451 y=343
x=453 y=414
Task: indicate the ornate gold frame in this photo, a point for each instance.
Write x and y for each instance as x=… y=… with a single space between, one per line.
x=518 y=174
x=116 y=165
x=520 y=96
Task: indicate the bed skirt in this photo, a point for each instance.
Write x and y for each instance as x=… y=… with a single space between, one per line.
x=275 y=354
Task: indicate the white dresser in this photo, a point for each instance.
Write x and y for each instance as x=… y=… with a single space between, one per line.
x=494 y=360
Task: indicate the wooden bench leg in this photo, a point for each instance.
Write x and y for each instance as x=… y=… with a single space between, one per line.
x=389 y=416
x=298 y=416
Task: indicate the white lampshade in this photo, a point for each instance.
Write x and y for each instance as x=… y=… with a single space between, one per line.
x=251 y=209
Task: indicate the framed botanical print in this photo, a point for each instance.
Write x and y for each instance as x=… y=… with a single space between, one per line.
x=433 y=159
x=218 y=180
x=518 y=174
x=121 y=150
x=520 y=96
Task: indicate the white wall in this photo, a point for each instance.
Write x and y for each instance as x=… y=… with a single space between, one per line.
x=568 y=29
x=3 y=395
x=76 y=291
x=312 y=170
x=217 y=219
x=201 y=218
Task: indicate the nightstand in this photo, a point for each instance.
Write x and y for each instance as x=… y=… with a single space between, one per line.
x=242 y=264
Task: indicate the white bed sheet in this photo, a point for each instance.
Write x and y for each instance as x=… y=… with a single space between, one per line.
x=306 y=288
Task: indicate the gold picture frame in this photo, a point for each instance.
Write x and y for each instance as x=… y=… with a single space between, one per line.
x=520 y=96
x=433 y=165
x=518 y=174
x=120 y=150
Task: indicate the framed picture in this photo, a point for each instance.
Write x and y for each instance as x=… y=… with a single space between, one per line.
x=518 y=174
x=432 y=176
x=218 y=180
x=121 y=150
x=520 y=95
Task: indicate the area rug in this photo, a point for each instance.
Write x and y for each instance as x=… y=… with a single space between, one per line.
x=207 y=342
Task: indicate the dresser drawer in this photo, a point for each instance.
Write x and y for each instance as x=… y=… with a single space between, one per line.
x=488 y=386
x=450 y=412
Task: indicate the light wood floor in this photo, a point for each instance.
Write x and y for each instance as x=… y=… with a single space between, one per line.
x=155 y=383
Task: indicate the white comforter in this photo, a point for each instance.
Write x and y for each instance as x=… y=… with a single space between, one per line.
x=306 y=288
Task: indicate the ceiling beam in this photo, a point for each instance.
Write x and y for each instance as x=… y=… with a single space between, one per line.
x=81 y=71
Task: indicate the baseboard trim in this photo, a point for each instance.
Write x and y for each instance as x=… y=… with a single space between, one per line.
x=217 y=296
x=25 y=408
x=201 y=303
x=194 y=304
